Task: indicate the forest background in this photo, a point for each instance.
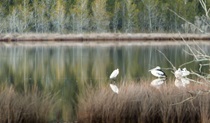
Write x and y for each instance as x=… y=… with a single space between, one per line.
x=113 y=16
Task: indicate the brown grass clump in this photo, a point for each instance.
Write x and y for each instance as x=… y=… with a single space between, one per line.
x=24 y=108
x=141 y=103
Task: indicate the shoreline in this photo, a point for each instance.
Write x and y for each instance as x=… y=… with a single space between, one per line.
x=102 y=37
x=99 y=44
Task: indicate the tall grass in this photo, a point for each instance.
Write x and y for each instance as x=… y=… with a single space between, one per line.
x=32 y=107
x=141 y=103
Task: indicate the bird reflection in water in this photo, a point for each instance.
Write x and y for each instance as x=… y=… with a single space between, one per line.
x=181 y=82
x=157 y=83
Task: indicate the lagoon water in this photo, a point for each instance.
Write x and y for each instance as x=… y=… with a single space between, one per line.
x=65 y=70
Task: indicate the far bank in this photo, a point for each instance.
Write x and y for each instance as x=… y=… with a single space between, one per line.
x=103 y=37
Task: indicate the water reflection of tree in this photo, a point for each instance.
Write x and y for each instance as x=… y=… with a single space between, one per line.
x=66 y=71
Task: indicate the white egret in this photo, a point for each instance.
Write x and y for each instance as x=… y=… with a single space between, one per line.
x=185 y=72
x=157 y=72
x=114 y=88
x=158 y=82
x=114 y=74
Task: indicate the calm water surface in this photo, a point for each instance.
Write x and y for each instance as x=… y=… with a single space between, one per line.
x=65 y=70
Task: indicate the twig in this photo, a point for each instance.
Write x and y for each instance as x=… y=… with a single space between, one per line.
x=189 y=47
x=195 y=81
x=203 y=52
x=192 y=97
x=201 y=65
x=188 y=53
x=174 y=68
x=188 y=99
x=200 y=76
x=198 y=55
x=203 y=4
x=186 y=20
x=186 y=63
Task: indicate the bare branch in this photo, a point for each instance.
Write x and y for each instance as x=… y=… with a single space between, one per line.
x=199 y=55
x=200 y=67
x=193 y=96
x=189 y=47
x=186 y=20
x=186 y=63
x=198 y=82
x=188 y=99
x=203 y=52
x=200 y=76
x=203 y=4
x=174 y=68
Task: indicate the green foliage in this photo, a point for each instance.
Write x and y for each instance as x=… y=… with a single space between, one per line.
x=115 y=17
x=58 y=17
x=63 y=16
x=100 y=18
x=80 y=16
x=131 y=16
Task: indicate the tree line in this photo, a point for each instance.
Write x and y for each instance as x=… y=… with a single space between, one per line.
x=86 y=16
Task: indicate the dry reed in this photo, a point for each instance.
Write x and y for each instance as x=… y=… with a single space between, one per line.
x=142 y=103
x=24 y=108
